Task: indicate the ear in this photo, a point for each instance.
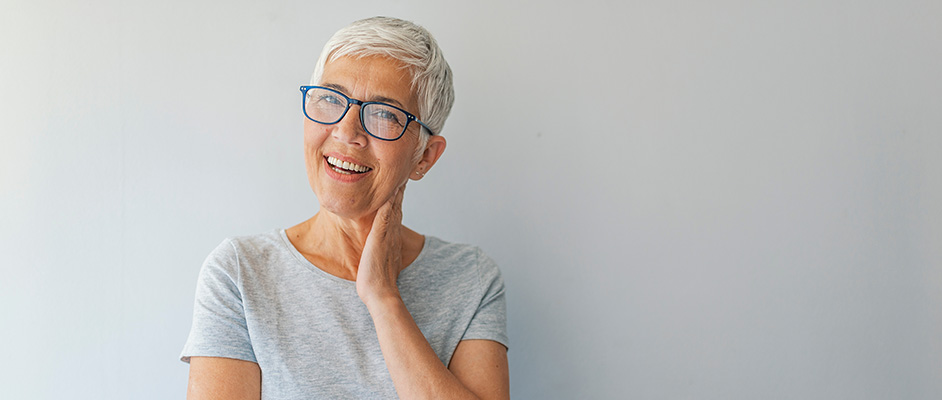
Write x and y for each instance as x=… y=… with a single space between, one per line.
x=433 y=150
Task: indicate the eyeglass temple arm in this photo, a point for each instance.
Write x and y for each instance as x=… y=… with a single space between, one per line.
x=430 y=131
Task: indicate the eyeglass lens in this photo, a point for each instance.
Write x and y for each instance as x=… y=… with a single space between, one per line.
x=380 y=120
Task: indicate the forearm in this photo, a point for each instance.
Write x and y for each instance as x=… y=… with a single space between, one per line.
x=416 y=370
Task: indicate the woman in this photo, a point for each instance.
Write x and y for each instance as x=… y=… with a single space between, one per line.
x=350 y=303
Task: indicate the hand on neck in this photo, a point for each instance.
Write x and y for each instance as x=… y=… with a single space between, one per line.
x=335 y=244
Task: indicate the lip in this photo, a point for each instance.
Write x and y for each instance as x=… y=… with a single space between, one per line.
x=343 y=177
x=349 y=159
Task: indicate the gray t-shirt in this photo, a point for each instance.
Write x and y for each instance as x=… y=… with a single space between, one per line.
x=258 y=299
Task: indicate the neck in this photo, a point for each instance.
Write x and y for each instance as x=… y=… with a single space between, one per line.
x=335 y=244
x=340 y=240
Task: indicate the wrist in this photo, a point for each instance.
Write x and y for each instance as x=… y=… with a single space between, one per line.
x=382 y=300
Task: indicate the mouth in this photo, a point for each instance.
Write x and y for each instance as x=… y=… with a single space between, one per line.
x=346 y=167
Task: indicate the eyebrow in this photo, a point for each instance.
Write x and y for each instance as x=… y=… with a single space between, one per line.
x=381 y=99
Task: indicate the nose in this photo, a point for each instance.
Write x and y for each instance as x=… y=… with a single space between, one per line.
x=349 y=129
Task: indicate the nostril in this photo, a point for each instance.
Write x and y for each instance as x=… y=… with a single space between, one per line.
x=349 y=132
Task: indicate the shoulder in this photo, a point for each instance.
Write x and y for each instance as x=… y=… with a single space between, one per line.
x=459 y=258
x=234 y=253
x=249 y=245
x=254 y=244
x=458 y=252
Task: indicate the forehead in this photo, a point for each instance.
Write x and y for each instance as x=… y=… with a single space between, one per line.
x=371 y=78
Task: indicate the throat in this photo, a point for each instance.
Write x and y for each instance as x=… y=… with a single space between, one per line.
x=330 y=247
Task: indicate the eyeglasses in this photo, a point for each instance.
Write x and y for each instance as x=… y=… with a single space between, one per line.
x=382 y=121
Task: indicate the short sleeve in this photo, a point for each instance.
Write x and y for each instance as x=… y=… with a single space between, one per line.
x=219 y=328
x=490 y=320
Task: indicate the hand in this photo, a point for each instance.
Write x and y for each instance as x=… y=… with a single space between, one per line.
x=381 y=259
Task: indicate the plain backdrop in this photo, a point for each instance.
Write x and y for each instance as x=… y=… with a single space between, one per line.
x=688 y=199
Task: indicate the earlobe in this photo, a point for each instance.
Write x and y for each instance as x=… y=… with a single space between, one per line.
x=417 y=175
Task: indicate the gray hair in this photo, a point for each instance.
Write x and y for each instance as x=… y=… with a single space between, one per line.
x=408 y=43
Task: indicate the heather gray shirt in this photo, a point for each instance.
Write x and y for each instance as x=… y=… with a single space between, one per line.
x=258 y=299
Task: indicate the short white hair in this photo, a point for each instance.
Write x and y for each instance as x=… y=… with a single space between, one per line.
x=410 y=44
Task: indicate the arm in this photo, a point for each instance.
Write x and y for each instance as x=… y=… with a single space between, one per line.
x=223 y=378
x=478 y=368
x=220 y=329
x=481 y=365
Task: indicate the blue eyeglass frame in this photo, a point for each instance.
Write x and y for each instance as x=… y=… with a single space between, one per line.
x=361 y=103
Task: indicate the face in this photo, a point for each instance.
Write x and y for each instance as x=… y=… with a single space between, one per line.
x=377 y=168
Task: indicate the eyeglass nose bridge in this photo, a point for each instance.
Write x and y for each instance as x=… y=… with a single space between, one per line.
x=351 y=102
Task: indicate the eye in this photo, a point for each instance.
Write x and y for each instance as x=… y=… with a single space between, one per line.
x=386 y=115
x=330 y=99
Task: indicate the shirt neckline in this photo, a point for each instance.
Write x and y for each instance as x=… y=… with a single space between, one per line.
x=307 y=263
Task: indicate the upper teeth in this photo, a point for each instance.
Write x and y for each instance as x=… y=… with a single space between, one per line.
x=346 y=165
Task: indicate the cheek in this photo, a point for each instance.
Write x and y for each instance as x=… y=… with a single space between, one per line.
x=402 y=167
x=405 y=153
x=313 y=138
x=310 y=131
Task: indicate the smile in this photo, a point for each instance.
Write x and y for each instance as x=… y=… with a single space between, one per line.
x=346 y=167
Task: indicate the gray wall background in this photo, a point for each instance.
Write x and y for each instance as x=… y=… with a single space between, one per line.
x=689 y=200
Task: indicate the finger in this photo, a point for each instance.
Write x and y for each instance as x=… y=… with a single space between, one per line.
x=390 y=212
x=395 y=210
x=386 y=213
x=400 y=193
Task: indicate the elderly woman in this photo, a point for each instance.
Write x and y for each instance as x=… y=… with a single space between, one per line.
x=351 y=303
